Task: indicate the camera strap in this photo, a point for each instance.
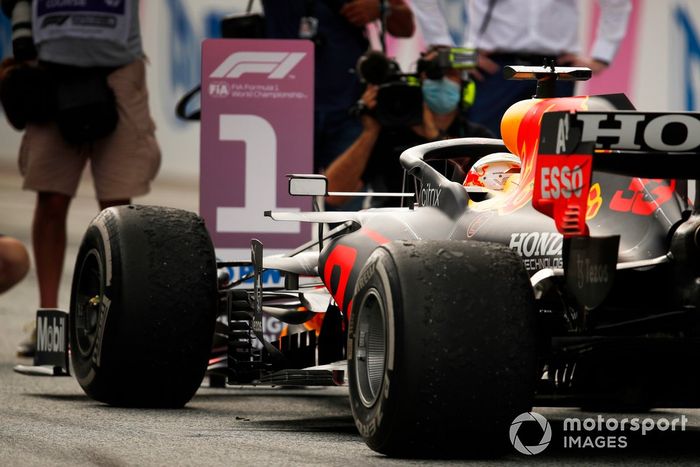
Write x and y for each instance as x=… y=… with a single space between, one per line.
x=487 y=18
x=383 y=13
x=249 y=8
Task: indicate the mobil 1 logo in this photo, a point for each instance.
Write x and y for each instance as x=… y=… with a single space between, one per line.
x=51 y=338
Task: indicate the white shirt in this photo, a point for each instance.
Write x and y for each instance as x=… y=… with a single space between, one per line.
x=547 y=27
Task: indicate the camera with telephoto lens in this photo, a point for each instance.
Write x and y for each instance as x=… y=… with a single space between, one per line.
x=399 y=95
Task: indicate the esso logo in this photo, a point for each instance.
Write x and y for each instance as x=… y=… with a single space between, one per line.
x=561 y=182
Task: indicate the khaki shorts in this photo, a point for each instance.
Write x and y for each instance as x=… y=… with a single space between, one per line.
x=123 y=164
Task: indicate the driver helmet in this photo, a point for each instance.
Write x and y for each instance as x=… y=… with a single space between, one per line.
x=490 y=173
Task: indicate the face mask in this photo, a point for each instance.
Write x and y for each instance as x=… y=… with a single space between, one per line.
x=441 y=95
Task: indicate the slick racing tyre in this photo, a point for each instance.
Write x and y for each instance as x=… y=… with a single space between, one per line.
x=441 y=348
x=143 y=306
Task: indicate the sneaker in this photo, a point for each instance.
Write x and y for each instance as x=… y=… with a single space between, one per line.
x=27 y=348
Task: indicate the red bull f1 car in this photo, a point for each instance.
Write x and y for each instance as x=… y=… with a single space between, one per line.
x=560 y=265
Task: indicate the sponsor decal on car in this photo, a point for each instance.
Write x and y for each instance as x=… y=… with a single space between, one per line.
x=640 y=131
x=590 y=268
x=430 y=196
x=538 y=250
x=590 y=272
x=561 y=182
x=595 y=201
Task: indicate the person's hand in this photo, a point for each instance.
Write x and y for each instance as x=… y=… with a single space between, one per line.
x=360 y=12
x=429 y=127
x=484 y=65
x=6 y=65
x=369 y=99
x=596 y=66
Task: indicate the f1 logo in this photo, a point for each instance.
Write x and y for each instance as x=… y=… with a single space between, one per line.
x=277 y=64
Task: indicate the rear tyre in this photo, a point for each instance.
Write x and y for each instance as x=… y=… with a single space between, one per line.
x=143 y=306
x=441 y=348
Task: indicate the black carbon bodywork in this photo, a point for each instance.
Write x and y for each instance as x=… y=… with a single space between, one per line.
x=530 y=233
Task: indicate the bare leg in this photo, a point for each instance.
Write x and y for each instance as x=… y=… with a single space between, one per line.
x=49 y=236
x=49 y=240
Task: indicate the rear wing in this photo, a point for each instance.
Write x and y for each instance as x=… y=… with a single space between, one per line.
x=637 y=144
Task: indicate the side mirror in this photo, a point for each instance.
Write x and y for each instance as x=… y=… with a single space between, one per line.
x=308 y=185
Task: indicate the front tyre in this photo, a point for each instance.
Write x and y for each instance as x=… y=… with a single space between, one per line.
x=441 y=348
x=143 y=306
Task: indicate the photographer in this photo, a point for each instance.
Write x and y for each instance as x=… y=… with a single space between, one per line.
x=338 y=29
x=373 y=158
x=86 y=60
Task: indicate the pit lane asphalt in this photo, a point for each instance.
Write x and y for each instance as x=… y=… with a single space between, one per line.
x=49 y=421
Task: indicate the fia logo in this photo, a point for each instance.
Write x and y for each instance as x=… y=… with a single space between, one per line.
x=277 y=65
x=218 y=89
